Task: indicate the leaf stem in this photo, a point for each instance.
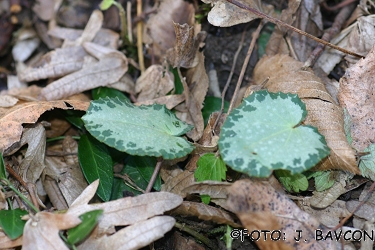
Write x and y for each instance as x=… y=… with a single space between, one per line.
x=123 y=20
x=7 y=183
x=154 y=175
x=197 y=235
x=281 y=23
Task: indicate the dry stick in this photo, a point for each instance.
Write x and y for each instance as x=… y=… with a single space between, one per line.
x=337 y=6
x=154 y=175
x=339 y=21
x=281 y=23
x=129 y=20
x=341 y=224
x=244 y=65
x=139 y=37
x=228 y=80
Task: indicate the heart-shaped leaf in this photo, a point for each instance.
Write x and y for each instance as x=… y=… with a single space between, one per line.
x=264 y=134
x=145 y=130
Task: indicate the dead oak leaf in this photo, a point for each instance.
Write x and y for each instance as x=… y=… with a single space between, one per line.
x=42 y=230
x=11 y=119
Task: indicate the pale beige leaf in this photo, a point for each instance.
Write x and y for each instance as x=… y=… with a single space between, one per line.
x=45 y=9
x=285 y=75
x=160 y=29
x=153 y=83
x=225 y=14
x=125 y=84
x=205 y=212
x=11 y=119
x=132 y=237
x=55 y=64
x=110 y=68
x=27 y=42
x=86 y=195
x=170 y=101
x=130 y=210
x=42 y=230
x=6 y=242
x=7 y=101
x=357 y=96
x=177 y=184
x=260 y=207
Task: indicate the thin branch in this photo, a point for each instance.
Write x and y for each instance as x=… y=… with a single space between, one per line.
x=154 y=175
x=281 y=23
x=139 y=38
x=244 y=66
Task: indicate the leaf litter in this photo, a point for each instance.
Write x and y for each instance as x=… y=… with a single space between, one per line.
x=32 y=119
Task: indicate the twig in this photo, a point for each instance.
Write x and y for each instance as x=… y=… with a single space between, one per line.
x=244 y=66
x=129 y=20
x=340 y=19
x=139 y=38
x=154 y=175
x=229 y=80
x=281 y=23
x=337 y=6
x=196 y=235
x=371 y=189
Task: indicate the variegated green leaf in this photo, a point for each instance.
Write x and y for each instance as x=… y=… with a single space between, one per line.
x=138 y=130
x=264 y=134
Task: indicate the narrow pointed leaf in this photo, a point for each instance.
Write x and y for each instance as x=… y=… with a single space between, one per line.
x=144 y=130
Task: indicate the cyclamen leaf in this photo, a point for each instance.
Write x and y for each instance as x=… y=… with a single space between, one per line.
x=262 y=135
x=145 y=130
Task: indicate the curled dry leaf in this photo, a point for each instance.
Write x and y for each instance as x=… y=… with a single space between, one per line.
x=260 y=207
x=178 y=183
x=42 y=230
x=357 y=95
x=153 y=83
x=285 y=75
x=205 y=212
x=225 y=14
x=111 y=67
x=11 y=119
x=132 y=237
x=160 y=29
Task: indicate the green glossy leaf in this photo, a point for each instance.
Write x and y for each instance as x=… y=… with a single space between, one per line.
x=264 y=134
x=292 y=182
x=210 y=167
x=145 y=165
x=323 y=180
x=212 y=104
x=11 y=223
x=367 y=163
x=74 y=117
x=103 y=92
x=144 y=130
x=80 y=232
x=96 y=163
x=2 y=167
x=105 y=4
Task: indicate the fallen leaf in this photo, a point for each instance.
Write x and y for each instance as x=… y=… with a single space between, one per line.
x=178 y=183
x=111 y=67
x=11 y=119
x=153 y=83
x=260 y=207
x=7 y=101
x=285 y=74
x=357 y=96
x=225 y=14
x=129 y=238
x=42 y=230
x=170 y=101
x=6 y=242
x=205 y=212
x=160 y=30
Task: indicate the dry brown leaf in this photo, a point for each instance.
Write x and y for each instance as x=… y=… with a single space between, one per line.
x=45 y=9
x=285 y=74
x=185 y=50
x=6 y=242
x=54 y=64
x=160 y=29
x=153 y=83
x=260 y=207
x=125 y=211
x=225 y=14
x=11 y=119
x=42 y=230
x=205 y=212
x=132 y=237
x=178 y=183
x=170 y=101
x=357 y=96
x=111 y=67
x=179 y=241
